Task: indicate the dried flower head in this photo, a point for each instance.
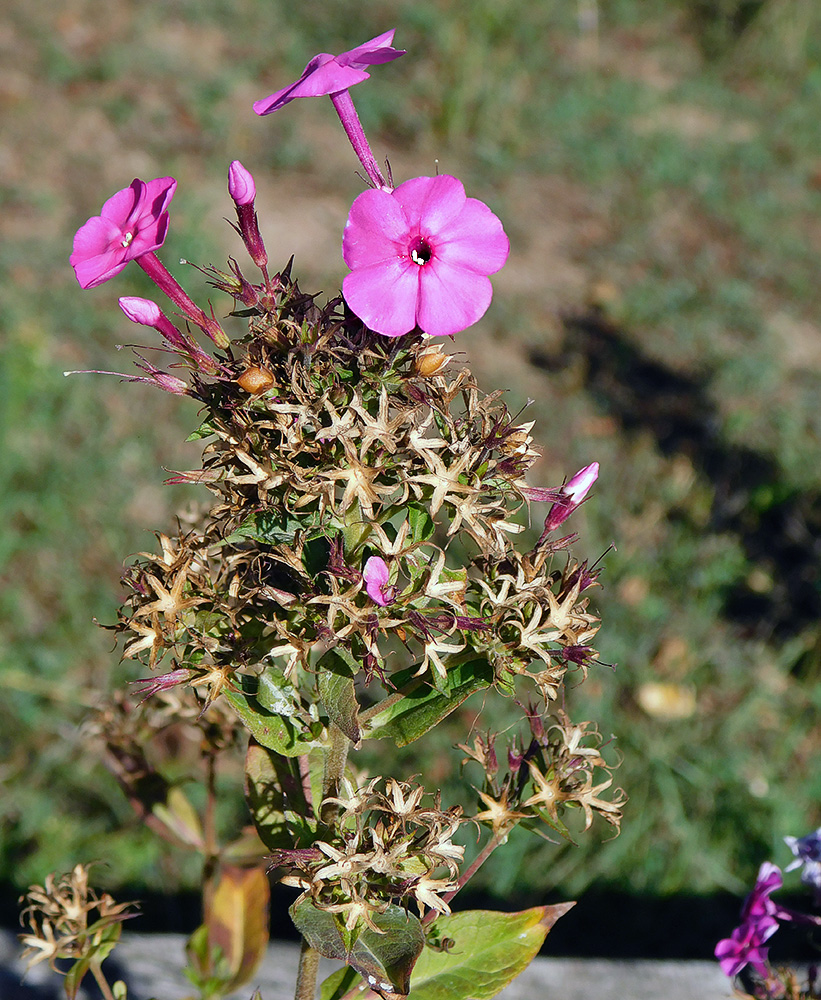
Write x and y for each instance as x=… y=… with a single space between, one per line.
x=69 y=920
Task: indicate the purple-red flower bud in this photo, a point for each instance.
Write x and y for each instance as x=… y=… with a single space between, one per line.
x=242 y=189
x=572 y=494
x=241 y=185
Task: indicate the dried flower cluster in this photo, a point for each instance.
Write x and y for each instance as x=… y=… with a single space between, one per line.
x=69 y=920
x=389 y=847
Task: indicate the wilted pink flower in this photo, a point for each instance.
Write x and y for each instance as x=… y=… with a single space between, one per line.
x=131 y=223
x=376 y=575
x=328 y=74
x=572 y=494
x=420 y=256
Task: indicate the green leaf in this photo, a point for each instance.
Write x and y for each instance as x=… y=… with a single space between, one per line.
x=107 y=936
x=421 y=706
x=339 y=983
x=337 y=693
x=273 y=527
x=277 y=732
x=384 y=960
x=488 y=951
x=74 y=976
x=276 y=797
x=180 y=817
x=204 y=430
x=277 y=694
x=420 y=523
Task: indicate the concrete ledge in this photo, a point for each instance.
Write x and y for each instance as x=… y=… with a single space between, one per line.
x=150 y=965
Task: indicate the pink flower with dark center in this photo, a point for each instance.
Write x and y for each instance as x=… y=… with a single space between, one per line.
x=329 y=74
x=376 y=574
x=420 y=255
x=133 y=222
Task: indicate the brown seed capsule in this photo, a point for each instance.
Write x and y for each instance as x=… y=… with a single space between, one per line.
x=431 y=360
x=255 y=380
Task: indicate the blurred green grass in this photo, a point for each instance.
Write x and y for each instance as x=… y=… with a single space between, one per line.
x=657 y=167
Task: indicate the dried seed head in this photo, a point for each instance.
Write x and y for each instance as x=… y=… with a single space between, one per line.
x=431 y=360
x=255 y=380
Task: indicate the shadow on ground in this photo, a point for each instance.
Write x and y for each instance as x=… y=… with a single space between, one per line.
x=778 y=526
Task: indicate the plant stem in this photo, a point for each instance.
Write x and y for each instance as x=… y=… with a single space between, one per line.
x=306 y=975
x=495 y=841
x=336 y=757
x=101 y=981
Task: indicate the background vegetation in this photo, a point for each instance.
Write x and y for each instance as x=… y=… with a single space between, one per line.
x=657 y=167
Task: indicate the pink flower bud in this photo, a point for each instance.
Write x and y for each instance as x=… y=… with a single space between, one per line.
x=148 y=313
x=242 y=189
x=579 y=486
x=572 y=494
x=241 y=185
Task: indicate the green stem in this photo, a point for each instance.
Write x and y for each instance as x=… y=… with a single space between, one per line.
x=495 y=841
x=306 y=974
x=101 y=980
x=336 y=757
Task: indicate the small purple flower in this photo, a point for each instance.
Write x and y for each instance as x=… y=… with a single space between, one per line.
x=420 y=255
x=758 y=905
x=746 y=945
x=376 y=575
x=329 y=74
x=133 y=222
x=807 y=851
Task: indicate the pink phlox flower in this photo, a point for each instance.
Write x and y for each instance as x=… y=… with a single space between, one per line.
x=746 y=945
x=758 y=904
x=420 y=256
x=376 y=574
x=133 y=222
x=328 y=74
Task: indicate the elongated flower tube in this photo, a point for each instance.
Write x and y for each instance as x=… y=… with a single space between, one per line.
x=420 y=255
x=133 y=222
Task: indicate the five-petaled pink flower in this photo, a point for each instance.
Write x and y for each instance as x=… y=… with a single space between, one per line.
x=329 y=74
x=420 y=255
x=133 y=222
